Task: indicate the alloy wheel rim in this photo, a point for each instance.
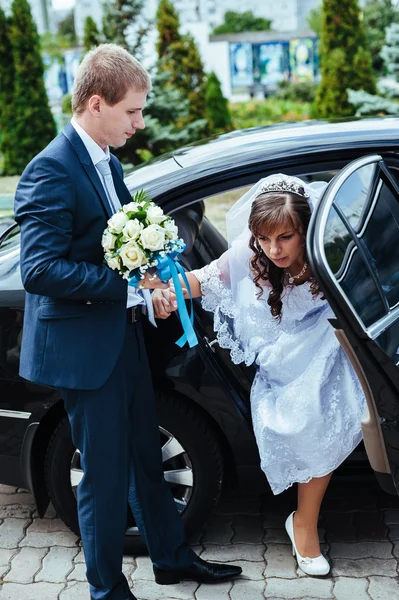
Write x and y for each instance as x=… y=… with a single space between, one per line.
x=177 y=466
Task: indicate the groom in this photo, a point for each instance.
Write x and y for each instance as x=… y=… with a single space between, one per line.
x=82 y=330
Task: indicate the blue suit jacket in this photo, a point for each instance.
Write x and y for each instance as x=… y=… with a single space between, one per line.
x=75 y=313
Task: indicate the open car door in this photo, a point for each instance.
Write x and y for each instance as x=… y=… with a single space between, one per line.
x=353 y=248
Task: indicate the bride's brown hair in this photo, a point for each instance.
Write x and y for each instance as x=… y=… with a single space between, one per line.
x=269 y=212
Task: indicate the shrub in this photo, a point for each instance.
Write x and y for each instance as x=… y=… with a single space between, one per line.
x=217 y=110
x=303 y=91
x=265 y=112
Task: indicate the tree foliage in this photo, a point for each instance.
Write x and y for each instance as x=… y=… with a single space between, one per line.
x=370 y=105
x=390 y=52
x=187 y=74
x=32 y=126
x=166 y=128
x=91 y=35
x=345 y=60
x=315 y=20
x=236 y=22
x=377 y=16
x=167 y=23
x=54 y=44
x=217 y=109
x=124 y=24
x=179 y=56
x=66 y=28
x=6 y=80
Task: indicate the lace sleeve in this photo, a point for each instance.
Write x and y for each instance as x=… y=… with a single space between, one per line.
x=217 y=298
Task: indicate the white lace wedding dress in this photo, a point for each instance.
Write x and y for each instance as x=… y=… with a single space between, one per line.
x=306 y=400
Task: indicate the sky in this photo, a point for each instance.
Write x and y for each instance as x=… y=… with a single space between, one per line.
x=62 y=4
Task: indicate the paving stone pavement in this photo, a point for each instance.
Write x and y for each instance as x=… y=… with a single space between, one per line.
x=40 y=559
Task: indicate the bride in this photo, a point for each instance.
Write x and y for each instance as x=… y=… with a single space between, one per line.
x=268 y=309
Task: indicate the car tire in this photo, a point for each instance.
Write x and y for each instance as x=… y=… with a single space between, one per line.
x=202 y=453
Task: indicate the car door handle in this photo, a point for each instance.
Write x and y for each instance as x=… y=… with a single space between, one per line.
x=210 y=343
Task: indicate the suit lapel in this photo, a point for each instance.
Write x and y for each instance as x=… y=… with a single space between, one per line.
x=92 y=173
x=87 y=164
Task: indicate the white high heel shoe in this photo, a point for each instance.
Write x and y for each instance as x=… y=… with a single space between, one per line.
x=311 y=566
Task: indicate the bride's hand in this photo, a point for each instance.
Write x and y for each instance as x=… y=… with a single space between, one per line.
x=164 y=302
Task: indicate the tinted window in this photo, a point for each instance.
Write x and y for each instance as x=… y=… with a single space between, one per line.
x=353 y=198
x=381 y=242
x=10 y=242
x=388 y=341
x=351 y=271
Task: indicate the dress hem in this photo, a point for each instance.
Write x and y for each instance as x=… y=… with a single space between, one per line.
x=319 y=474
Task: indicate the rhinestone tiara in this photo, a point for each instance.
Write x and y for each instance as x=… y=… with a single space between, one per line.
x=283 y=185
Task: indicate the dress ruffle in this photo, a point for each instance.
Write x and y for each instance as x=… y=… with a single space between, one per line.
x=306 y=400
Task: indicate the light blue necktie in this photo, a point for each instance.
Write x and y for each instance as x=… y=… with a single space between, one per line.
x=104 y=167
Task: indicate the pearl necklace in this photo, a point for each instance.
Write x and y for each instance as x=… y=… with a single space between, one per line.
x=291 y=278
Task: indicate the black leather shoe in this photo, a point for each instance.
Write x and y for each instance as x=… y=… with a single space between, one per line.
x=200 y=570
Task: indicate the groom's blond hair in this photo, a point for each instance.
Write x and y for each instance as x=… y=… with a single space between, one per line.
x=108 y=71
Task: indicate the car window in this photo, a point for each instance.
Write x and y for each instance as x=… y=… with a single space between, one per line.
x=360 y=242
x=217 y=206
x=10 y=241
x=380 y=236
x=350 y=270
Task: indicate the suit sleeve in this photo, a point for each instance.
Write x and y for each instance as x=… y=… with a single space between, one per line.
x=44 y=209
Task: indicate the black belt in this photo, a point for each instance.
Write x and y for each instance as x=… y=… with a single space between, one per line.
x=134 y=313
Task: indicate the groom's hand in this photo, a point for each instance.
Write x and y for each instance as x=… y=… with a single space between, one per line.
x=164 y=303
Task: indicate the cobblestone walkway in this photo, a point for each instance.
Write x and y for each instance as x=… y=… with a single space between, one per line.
x=42 y=559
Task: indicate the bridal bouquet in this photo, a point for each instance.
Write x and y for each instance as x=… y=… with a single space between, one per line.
x=140 y=238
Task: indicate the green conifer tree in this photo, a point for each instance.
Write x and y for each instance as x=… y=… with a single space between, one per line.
x=217 y=110
x=167 y=22
x=91 y=35
x=184 y=63
x=180 y=59
x=345 y=60
x=377 y=16
x=33 y=124
x=390 y=51
x=6 y=82
x=123 y=24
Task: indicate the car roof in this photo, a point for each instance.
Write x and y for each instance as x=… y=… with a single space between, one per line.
x=256 y=145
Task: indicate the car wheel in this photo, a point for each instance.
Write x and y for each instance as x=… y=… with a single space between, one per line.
x=192 y=460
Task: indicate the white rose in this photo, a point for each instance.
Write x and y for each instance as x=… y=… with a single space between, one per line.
x=131 y=207
x=132 y=255
x=155 y=214
x=153 y=237
x=117 y=222
x=108 y=240
x=113 y=262
x=132 y=229
x=171 y=230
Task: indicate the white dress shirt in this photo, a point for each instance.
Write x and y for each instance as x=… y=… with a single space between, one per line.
x=97 y=154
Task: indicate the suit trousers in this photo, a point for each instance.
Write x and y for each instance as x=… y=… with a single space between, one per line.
x=116 y=431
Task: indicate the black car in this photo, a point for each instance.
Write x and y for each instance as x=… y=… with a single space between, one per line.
x=204 y=413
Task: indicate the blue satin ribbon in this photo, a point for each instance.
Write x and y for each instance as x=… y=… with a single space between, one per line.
x=168 y=268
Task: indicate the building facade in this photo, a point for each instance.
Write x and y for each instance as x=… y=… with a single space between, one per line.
x=286 y=15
